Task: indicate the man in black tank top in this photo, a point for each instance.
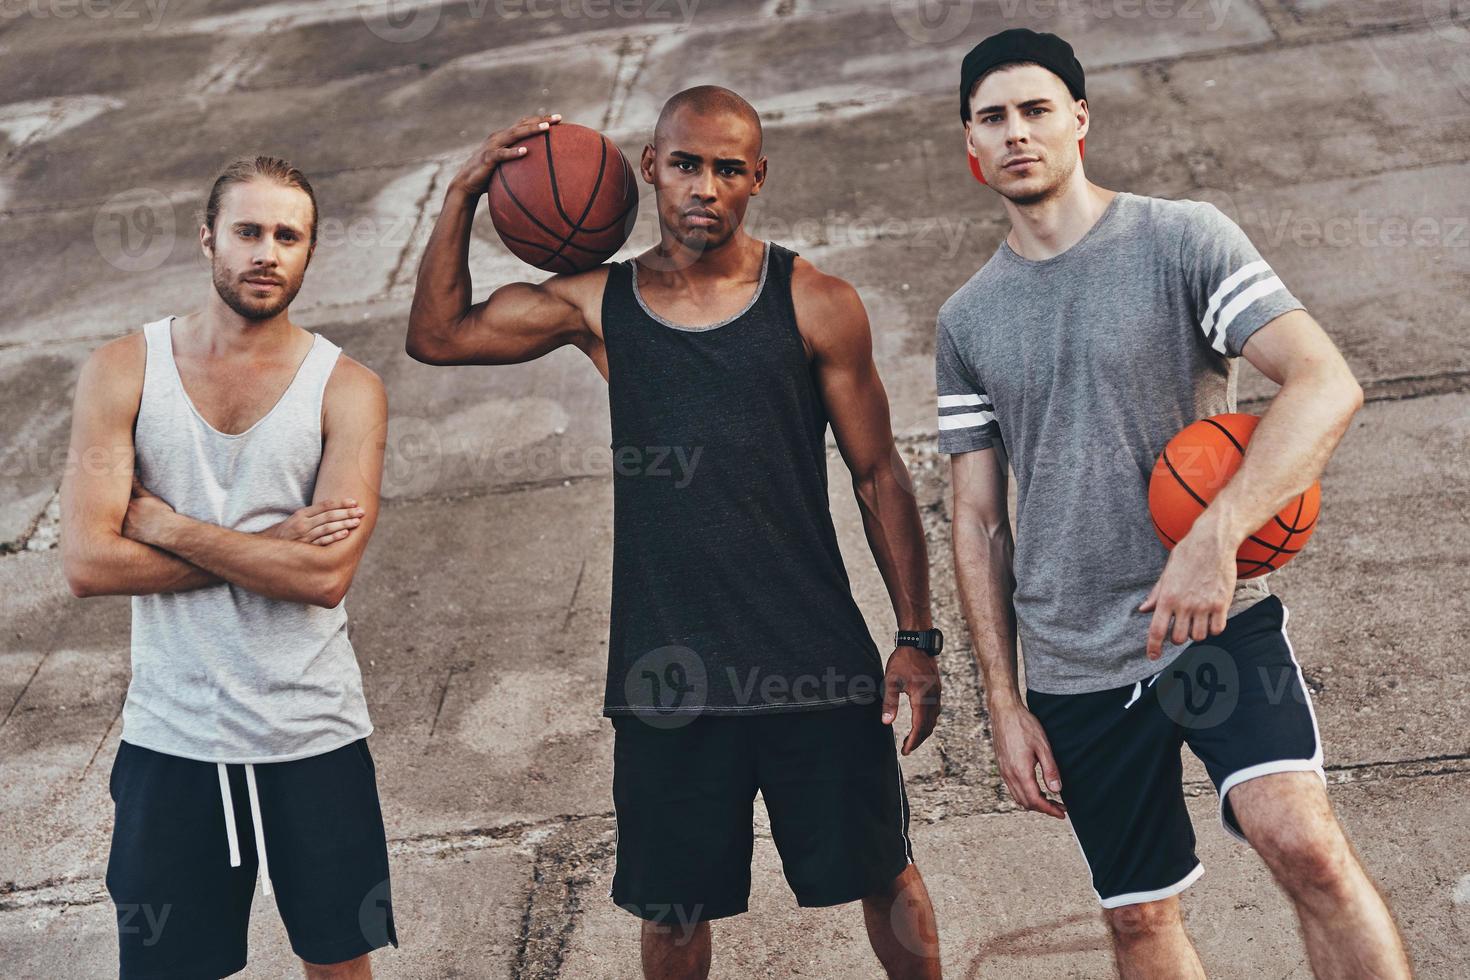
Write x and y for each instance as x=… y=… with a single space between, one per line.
x=738 y=661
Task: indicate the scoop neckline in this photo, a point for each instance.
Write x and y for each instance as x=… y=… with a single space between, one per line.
x=760 y=287
x=1102 y=219
x=168 y=338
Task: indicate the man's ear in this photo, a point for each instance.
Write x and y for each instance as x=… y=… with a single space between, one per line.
x=1084 y=118
x=206 y=240
x=646 y=161
x=760 y=176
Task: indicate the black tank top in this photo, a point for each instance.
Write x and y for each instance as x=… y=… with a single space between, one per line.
x=729 y=594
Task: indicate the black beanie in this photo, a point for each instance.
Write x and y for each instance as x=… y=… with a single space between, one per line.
x=1020 y=44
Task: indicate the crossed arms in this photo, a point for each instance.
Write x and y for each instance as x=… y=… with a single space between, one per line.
x=120 y=539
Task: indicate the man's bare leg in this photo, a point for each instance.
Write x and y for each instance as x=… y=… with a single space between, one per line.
x=353 y=969
x=1345 y=923
x=901 y=927
x=675 y=952
x=1149 y=941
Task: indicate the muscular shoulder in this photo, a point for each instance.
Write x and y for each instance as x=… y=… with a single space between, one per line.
x=582 y=290
x=829 y=312
x=112 y=375
x=354 y=389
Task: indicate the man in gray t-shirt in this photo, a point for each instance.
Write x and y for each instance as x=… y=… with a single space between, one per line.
x=1102 y=325
x=1084 y=365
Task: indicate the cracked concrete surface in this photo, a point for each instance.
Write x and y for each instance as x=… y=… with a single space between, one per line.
x=1334 y=133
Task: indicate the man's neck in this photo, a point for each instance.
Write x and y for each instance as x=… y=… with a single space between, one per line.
x=677 y=265
x=1050 y=227
x=218 y=331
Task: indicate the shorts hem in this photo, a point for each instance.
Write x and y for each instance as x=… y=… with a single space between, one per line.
x=1168 y=891
x=659 y=910
x=326 y=954
x=228 y=968
x=819 y=901
x=1313 y=764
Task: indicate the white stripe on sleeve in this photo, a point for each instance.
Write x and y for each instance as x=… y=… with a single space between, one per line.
x=1218 y=297
x=953 y=401
x=966 y=421
x=1238 y=306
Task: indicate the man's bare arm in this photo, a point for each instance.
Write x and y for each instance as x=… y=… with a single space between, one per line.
x=837 y=328
x=517 y=322
x=355 y=425
x=95 y=557
x=984 y=572
x=1287 y=453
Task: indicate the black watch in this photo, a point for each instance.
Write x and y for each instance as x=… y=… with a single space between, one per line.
x=930 y=641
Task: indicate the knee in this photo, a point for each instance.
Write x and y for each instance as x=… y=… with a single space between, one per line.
x=346 y=970
x=1306 y=860
x=1143 y=921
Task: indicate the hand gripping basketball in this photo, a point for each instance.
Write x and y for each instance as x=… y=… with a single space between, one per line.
x=474 y=177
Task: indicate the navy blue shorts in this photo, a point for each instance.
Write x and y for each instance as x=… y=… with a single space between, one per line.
x=182 y=883
x=1237 y=699
x=685 y=799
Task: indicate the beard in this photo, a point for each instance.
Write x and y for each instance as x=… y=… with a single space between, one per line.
x=231 y=289
x=1055 y=181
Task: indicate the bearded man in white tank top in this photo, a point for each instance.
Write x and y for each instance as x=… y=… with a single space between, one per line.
x=224 y=472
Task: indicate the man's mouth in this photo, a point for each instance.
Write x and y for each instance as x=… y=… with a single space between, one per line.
x=1019 y=163
x=701 y=217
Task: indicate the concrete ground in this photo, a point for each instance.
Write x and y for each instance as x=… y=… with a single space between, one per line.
x=1334 y=133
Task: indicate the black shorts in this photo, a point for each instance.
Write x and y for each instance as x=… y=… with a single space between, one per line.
x=183 y=910
x=685 y=807
x=1236 y=699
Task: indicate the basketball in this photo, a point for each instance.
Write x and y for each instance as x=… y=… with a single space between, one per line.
x=1191 y=470
x=569 y=203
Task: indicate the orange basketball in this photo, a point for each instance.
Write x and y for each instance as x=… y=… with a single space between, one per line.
x=569 y=204
x=1191 y=470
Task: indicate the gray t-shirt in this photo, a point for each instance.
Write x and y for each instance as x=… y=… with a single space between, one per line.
x=1083 y=366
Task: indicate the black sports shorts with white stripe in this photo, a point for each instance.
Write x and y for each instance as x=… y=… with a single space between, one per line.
x=1237 y=700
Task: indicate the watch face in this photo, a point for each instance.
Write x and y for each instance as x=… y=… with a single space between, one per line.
x=938 y=638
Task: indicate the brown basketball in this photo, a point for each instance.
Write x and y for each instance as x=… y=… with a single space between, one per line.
x=569 y=204
x=1191 y=470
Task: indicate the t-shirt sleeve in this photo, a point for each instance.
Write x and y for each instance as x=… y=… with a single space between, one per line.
x=1233 y=291
x=966 y=414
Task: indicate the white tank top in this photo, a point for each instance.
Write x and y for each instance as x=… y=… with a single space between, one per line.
x=221 y=674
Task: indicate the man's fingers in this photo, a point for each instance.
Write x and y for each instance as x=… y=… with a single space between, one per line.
x=329 y=538
x=891 y=687
x=1049 y=771
x=1156 y=630
x=1153 y=596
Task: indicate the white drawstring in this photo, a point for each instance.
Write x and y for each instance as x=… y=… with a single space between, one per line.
x=229 y=804
x=1137 y=692
x=265 y=870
